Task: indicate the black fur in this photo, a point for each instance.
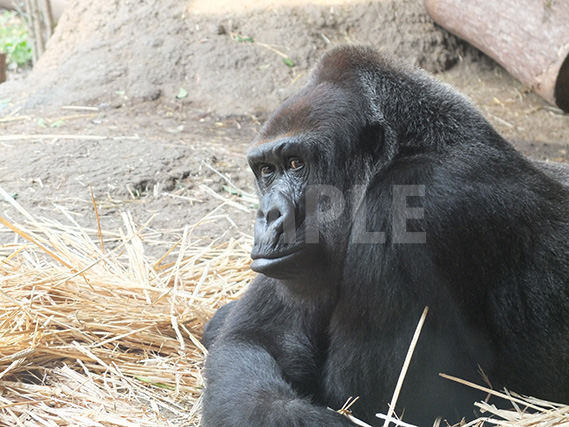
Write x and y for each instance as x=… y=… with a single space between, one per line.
x=329 y=320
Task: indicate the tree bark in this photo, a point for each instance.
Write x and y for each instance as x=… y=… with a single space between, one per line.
x=529 y=38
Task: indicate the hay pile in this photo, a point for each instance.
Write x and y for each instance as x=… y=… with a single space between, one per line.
x=93 y=336
x=523 y=411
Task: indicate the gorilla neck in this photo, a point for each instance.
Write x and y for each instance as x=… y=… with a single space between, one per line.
x=321 y=284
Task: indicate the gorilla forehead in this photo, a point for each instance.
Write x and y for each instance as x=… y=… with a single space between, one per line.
x=340 y=65
x=340 y=98
x=312 y=111
x=281 y=147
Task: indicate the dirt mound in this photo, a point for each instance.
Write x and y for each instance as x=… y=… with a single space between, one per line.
x=217 y=56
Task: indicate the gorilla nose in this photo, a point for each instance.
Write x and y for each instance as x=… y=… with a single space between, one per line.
x=275 y=219
x=269 y=214
x=275 y=209
x=272 y=214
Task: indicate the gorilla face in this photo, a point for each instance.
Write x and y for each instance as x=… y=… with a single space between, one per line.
x=294 y=230
x=282 y=169
x=304 y=162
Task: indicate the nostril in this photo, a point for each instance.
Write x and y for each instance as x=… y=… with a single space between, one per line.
x=273 y=214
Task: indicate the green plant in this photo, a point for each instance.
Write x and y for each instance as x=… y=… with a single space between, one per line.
x=14 y=39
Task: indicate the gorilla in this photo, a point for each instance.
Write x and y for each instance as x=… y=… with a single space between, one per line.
x=382 y=191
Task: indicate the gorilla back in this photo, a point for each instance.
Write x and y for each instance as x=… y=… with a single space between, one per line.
x=383 y=191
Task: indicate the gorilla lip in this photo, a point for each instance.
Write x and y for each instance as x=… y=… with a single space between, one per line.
x=275 y=267
x=257 y=254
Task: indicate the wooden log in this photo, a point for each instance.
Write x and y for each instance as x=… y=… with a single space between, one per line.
x=529 y=38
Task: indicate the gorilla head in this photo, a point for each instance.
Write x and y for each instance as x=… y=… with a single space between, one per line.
x=316 y=154
x=306 y=170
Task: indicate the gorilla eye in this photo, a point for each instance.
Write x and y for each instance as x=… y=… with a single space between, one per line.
x=295 y=163
x=267 y=170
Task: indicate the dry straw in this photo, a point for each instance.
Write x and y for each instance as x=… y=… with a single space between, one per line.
x=93 y=336
x=94 y=332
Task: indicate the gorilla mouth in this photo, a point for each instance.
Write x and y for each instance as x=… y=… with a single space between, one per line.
x=279 y=265
x=278 y=268
x=259 y=253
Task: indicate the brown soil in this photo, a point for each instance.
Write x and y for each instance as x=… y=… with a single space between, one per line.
x=163 y=154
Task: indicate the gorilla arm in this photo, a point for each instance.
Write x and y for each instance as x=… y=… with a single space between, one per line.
x=265 y=363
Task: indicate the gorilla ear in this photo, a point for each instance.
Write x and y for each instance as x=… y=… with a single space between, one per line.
x=378 y=140
x=373 y=140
